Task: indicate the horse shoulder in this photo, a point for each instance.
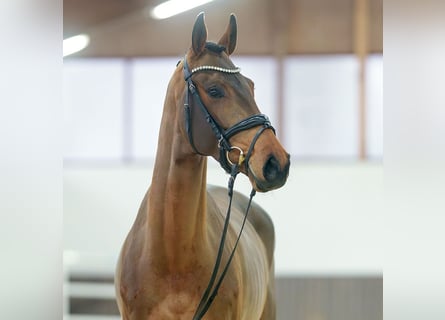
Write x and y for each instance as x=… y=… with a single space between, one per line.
x=255 y=251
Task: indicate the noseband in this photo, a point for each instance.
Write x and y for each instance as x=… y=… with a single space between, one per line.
x=224 y=146
x=222 y=135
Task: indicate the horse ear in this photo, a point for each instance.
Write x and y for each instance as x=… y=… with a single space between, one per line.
x=199 y=34
x=228 y=39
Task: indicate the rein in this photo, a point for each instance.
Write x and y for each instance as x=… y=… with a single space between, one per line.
x=208 y=296
x=222 y=136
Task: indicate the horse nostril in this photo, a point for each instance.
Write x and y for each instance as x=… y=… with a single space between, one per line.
x=271 y=169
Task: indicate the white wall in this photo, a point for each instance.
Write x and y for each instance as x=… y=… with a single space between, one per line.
x=327 y=217
x=321 y=106
x=112 y=107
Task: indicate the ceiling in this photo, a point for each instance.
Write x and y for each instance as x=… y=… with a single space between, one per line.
x=124 y=28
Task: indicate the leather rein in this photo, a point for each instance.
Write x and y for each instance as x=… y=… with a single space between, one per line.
x=224 y=146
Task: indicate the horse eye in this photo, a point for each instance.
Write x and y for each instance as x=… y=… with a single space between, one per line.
x=215 y=92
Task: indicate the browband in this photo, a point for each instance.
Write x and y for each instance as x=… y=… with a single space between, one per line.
x=213 y=68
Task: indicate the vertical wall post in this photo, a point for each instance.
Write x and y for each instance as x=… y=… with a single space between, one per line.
x=279 y=40
x=360 y=32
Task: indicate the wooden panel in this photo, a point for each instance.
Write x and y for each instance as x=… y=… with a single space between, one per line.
x=79 y=15
x=125 y=28
x=329 y=298
x=302 y=298
x=375 y=26
x=93 y=306
x=136 y=34
x=320 y=26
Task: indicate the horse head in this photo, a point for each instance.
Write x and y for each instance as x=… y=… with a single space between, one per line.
x=221 y=117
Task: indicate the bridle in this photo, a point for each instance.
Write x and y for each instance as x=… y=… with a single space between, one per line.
x=225 y=147
x=222 y=135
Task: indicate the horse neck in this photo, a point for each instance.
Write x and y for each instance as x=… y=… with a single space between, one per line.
x=177 y=197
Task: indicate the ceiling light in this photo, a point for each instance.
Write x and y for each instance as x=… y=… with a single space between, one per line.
x=75 y=44
x=174 y=7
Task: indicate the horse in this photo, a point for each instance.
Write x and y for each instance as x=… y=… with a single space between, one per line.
x=167 y=258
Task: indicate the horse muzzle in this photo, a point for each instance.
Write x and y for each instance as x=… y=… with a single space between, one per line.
x=273 y=176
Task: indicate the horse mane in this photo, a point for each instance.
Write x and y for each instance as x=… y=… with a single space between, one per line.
x=214 y=47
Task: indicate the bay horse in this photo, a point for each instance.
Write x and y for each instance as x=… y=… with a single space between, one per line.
x=167 y=258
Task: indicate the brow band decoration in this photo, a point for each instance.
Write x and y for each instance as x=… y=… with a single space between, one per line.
x=213 y=68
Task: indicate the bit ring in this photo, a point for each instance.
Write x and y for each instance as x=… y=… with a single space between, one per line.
x=240 y=158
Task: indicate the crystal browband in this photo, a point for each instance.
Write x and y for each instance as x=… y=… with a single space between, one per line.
x=213 y=68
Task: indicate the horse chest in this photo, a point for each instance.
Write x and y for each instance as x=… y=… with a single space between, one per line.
x=176 y=296
x=182 y=306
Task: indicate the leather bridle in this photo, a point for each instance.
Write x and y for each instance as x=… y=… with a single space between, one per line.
x=225 y=147
x=222 y=135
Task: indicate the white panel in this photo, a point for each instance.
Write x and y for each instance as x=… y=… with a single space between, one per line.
x=374 y=104
x=263 y=72
x=150 y=81
x=93 y=109
x=321 y=105
x=328 y=218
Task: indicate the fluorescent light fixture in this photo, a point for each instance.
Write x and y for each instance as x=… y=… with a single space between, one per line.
x=173 y=7
x=75 y=44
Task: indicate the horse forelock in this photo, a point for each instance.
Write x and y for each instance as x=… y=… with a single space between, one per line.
x=214 y=47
